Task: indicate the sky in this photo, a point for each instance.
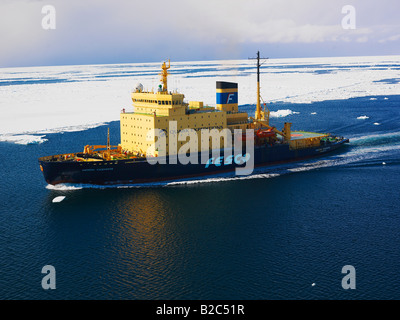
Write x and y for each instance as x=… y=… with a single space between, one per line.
x=131 y=31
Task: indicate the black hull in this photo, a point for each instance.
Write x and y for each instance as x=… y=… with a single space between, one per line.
x=141 y=171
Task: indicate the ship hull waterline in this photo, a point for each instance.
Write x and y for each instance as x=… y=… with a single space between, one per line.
x=128 y=171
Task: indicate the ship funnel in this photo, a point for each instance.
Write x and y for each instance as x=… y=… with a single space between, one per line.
x=227 y=96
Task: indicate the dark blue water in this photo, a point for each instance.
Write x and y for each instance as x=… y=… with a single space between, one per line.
x=267 y=237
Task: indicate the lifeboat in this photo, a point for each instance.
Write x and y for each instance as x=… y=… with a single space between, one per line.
x=265 y=133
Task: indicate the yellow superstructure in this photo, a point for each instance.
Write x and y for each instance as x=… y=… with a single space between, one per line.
x=167 y=111
x=156 y=110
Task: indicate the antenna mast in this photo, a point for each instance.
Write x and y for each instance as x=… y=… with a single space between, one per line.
x=108 y=139
x=164 y=74
x=108 y=152
x=258 y=109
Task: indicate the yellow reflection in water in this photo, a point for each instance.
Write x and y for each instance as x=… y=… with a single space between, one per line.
x=145 y=223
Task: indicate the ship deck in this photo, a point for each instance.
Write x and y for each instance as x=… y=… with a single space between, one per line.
x=296 y=135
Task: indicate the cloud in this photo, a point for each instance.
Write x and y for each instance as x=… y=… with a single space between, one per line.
x=395 y=37
x=362 y=39
x=288 y=31
x=103 y=31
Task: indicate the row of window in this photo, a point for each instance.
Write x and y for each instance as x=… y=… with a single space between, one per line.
x=165 y=119
x=125 y=125
x=138 y=119
x=195 y=125
x=160 y=102
x=149 y=144
x=195 y=118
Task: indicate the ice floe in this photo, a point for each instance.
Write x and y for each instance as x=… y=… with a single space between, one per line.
x=23 y=138
x=58 y=199
x=50 y=99
x=282 y=113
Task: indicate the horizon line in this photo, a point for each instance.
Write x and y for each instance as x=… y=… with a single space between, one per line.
x=156 y=62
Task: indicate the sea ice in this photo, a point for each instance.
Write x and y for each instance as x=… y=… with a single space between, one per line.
x=94 y=94
x=282 y=113
x=58 y=199
x=23 y=138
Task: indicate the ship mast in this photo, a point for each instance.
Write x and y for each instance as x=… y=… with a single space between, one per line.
x=164 y=74
x=108 y=139
x=108 y=152
x=265 y=115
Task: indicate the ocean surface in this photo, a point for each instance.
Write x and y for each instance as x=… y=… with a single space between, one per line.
x=284 y=232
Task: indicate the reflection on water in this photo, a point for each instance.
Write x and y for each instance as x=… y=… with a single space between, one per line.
x=125 y=234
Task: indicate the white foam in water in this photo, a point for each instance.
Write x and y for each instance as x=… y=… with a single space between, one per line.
x=72 y=187
x=80 y=186
x=282 y=113
x=388 y=135
x=62 y=187
x=362 y=117
x=366 y=149
x=220 y=179
x=58 y=199
x=377 y=124
x=312 y=166
x=363 y=149
x=372 y=98
x=23 y=138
